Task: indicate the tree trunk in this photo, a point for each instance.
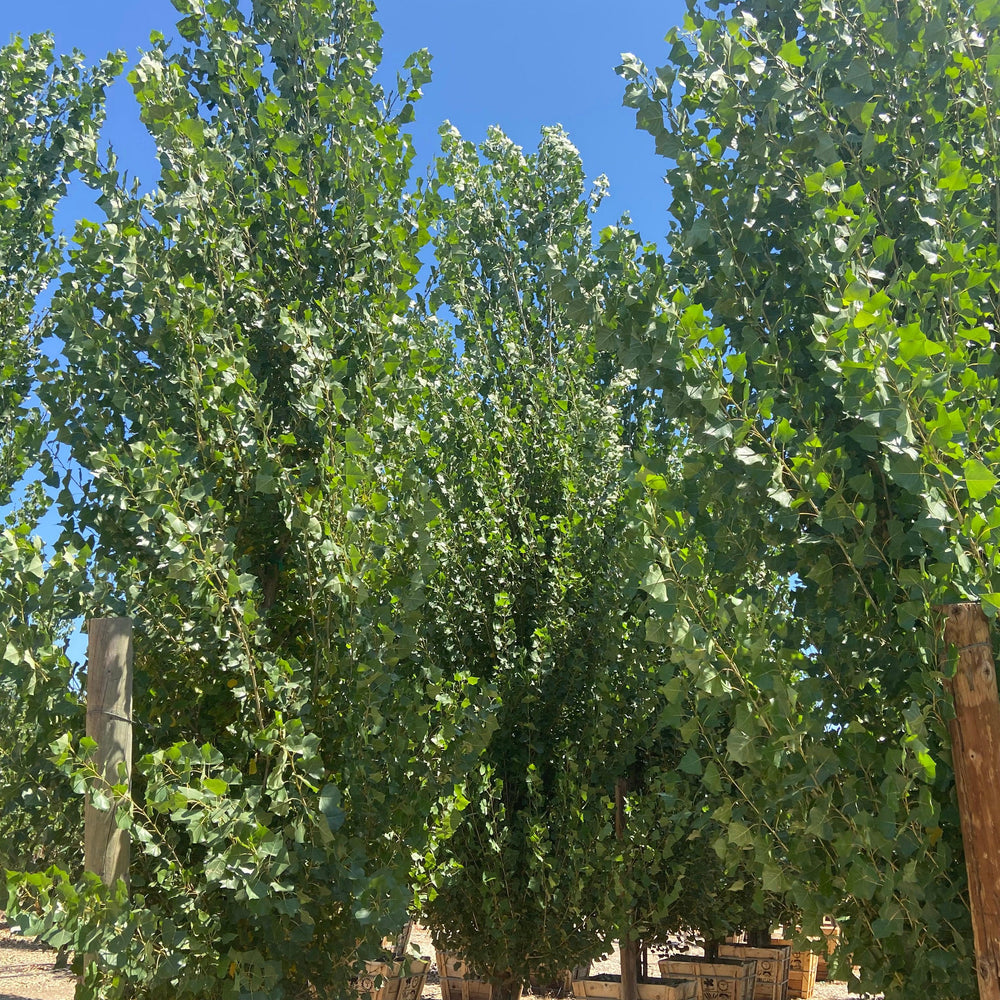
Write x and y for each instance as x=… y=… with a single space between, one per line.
x=628 y=949
x=975 y=738
x=509 y=989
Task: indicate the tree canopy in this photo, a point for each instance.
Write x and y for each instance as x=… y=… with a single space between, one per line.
x=50 y=113
x=561 y=586
x=242 y=397
x=828 y=321
x=535 y=590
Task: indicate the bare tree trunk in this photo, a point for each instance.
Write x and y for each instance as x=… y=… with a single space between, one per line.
x=712 y=948
x=628 y=948
x=509 y=989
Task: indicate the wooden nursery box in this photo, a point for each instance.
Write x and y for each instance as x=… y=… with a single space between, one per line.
x=772 y=967
x=721 y=979
x=802 y=968
x=458 y=982
x=609 y=987
x=402 y=980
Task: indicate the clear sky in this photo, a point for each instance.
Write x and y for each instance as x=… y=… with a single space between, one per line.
x=519 y=64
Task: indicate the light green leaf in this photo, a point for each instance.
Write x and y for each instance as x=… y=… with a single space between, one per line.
x=979 y=481
x=791 y=54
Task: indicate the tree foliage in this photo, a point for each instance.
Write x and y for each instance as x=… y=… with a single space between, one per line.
x=421 y=579
x=534 y=592
x=552 y=466
x=243 y=392
x=828 y=324
x=50 y=113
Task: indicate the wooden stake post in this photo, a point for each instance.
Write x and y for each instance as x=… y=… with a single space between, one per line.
x=975 y=739
x=109 y=723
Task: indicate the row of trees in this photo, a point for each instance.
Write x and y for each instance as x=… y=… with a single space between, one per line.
x=564 y=589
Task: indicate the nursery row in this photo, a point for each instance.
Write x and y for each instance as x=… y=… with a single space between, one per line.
x=559 y=587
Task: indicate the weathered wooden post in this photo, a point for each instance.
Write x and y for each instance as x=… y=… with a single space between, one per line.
x=109 y=723
x=975 y=740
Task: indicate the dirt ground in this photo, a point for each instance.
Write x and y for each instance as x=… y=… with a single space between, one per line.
x=27 y=971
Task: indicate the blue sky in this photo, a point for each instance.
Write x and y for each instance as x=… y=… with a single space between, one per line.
x=518 y=64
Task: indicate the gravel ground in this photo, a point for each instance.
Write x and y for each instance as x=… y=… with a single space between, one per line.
x=27 y=970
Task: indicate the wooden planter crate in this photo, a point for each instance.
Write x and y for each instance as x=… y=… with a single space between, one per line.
x=400 y=980
x=772 y=967
x=801 y=971
x=458 y=982
x=609 y=987
x=723 y=979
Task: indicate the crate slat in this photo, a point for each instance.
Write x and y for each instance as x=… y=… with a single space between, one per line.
x=609 y=987
x=402 y=980
x=772 y=967
x=722 y=979
x=802 y=968
x=458 y=982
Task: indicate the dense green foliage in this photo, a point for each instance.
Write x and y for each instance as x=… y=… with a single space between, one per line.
x=534 y=592
x=243 y=391
x=827 y=324
x=578 y=593
x=50 y=112
x=545 y=478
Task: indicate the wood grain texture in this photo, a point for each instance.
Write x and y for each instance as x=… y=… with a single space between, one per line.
x=975 y=737
x=109 y=723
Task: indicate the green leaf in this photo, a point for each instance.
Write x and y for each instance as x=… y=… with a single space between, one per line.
x=991 y=604
x=330 y=806
x=979 y=480
x=690 y=763
x=711 y=778
x=791 y=54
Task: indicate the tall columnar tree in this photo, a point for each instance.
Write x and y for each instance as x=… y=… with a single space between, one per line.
x=244 y=385
x=536 y=593
x=828 y=324
x=50 y=114
x=596 y=810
